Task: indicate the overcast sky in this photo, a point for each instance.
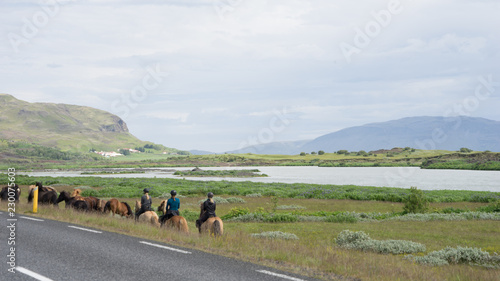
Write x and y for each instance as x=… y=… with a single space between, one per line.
x=219 y=75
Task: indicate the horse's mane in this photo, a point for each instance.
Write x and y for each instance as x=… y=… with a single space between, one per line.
x=164 y=208
x=76 y=192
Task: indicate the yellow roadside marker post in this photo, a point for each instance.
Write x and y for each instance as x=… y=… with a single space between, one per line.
x=35 y=200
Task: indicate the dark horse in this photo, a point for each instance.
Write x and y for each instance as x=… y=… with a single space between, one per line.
x=44 y=197
x=76 y=202
x=117 y=207
x=14 y=191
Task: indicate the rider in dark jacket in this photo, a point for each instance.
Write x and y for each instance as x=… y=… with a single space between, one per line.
x=207 y=210
x=146 y=203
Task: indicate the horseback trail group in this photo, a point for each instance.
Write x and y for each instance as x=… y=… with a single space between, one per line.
x=208 y=221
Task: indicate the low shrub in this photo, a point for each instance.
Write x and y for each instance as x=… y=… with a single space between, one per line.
x=452 y=210
x=235 y=212
x=491 y=208
x=458 y=255
x=362 y=241
x=448 y=217
x=289 y=207
x=415 y=202
x=275 y=235
x=89 y=192
x=235 y=200
x=254 y=195
x=279 y=217
x=217 y=200
x=189 y=215
x=342 y=217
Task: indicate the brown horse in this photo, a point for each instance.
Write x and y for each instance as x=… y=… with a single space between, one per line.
x=100 y=205
x=90 y=203
x=148 y=216
x=213 y=226
x=117 y=207
x=177 y=222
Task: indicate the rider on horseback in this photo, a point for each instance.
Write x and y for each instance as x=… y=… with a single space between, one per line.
x=173 y=205
x=146 y=202
x=207 y=210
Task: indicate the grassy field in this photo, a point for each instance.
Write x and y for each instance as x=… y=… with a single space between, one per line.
x=315 y=252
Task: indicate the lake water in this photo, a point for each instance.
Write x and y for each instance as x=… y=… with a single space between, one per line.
x=371 y=176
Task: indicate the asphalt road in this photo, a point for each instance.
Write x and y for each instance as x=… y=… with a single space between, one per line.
x=62 y=251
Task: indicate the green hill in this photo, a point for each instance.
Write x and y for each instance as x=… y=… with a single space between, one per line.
x=64 y=127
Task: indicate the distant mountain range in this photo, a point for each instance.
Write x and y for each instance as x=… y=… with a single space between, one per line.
x=425 y=132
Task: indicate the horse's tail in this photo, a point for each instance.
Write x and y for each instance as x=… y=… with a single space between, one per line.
x=217 y=228
x=30 y=196
x=183 y=226
x=107 y=206
x=154 y=220
x=129 y=210
x=54 y=198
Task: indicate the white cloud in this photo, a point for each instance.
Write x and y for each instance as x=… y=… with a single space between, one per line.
x=227 y=75
x=166 y=115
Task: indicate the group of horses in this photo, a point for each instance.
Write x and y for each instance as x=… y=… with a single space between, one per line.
x=48 y=195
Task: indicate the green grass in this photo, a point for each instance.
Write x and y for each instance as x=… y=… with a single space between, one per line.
x=132 y=187
x=314 y=253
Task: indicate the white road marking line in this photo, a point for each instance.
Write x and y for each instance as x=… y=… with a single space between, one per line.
x=32 y=274
x=165 y=247
x=280 y=275
x=33 y=219
x=86 y=229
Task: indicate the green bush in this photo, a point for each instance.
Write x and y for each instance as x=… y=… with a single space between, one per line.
x=189 y=215
x=235 y=212
x=281 y=218
x=342 y=217
x=491 y=208
x=452 y=210
x=415 y=202
x=89 y=192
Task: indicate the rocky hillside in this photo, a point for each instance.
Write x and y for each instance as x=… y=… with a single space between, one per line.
x=63 y=126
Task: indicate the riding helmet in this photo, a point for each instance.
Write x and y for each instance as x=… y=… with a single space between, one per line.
x=210 y=195
x=146 y=190
x=173 y=192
